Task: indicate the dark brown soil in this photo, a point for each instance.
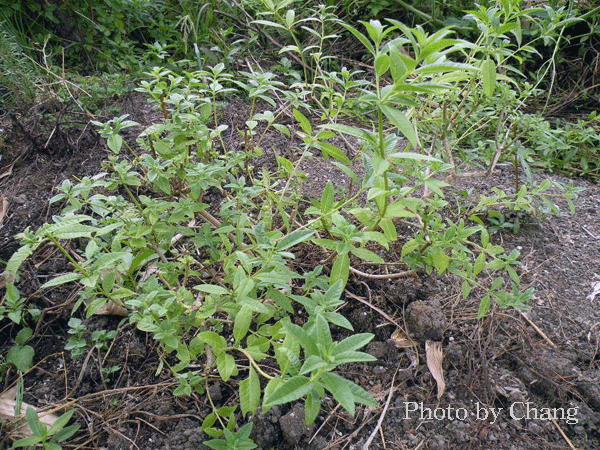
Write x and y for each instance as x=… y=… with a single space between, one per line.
x=545 y=360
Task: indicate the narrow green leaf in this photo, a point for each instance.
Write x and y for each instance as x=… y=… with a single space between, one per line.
x=303 y=121
x=389 y=229
x=327 y=198
x=61 y=422
x=339 y=389
x=312 y=406
x=367 y=255
x=211 y=289
x=341 y=269
x=37 y=427
x=399 y=119
x=352 y=343
x=62 y=279
x=269 y=23
x=291 y=390
x=479 y=264
x=488 y=73
x=250 y=392
x=294 y=238
x=242 y=322
x=484 y=307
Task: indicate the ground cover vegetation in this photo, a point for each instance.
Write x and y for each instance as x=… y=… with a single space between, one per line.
x=187 y=239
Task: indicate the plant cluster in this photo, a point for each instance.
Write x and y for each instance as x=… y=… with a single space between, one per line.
x=198 y=247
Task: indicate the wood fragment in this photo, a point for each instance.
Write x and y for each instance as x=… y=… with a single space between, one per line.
x=536 y=328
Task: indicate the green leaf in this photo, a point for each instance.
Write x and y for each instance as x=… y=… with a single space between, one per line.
x=312 y=406
x=465 y=289
x=61 y=422
x=346 y=129
x=28 y=441
x=485 y=237
x=338 y=387
x=300 y=335
x=216 y=341
x=399 y=119
x=303 y=121
x=212 y=289
x=341 y=269
x=484 y=307
x=37 y=427
x=367 y=255
x=21 y=357
x=333 y=151
x=242 y=322
x=389 y=229
x=115 y=142
x=479 y=264
x=269 y=23
x=440 y=260
x=291 y=390
x=226 y=366
x=352 y=343
x=382 y=64
x=250 y=392
x=294 y=238
x=361 y=37
x=488 y=73
x=312 y=363
x=327 y=198
x=62 y=279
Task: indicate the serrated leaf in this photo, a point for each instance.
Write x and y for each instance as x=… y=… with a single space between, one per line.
x=341 y=269
x=312 y=406
x=389 y=229
x=303 y=122
x=250 y=392
x=352 y=343
x=399 y=119
x=484 y=307
x=216 y=341
x=488 y=73
x=62 y=279
x=367 y=255
x=479 y=264
x=440 y=260
x=339 y=389
x=212 y=289
x=226 y=366
x=242 y=322
x=294 y=238
x=291 y=390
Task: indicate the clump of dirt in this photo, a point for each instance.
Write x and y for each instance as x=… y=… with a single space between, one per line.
x=515 y=380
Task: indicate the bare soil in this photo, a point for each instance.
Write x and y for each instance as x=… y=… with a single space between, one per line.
x=539 y=370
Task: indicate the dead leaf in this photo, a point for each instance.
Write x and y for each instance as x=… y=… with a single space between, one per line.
x=401 y=340
x=3 y=208
x=112 y=309
x=7 y=411
x=435 y=358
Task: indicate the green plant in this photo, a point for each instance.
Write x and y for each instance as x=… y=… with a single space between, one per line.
x=77 y=342
x=198 y=247
x=239 y=440
x=47 y=438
